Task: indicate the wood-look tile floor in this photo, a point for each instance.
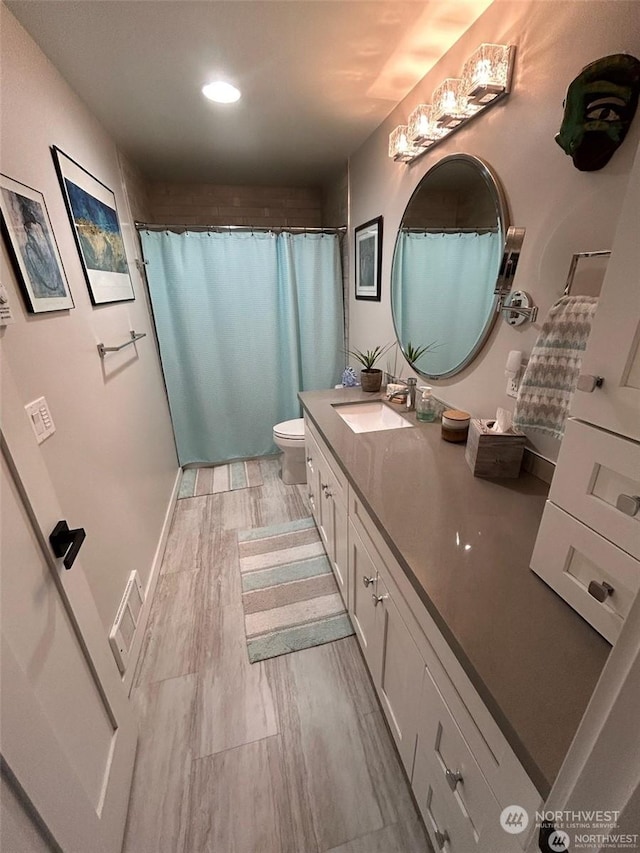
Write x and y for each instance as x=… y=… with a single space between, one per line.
x=289 y=755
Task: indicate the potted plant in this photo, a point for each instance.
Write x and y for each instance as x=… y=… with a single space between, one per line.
x=370 y=376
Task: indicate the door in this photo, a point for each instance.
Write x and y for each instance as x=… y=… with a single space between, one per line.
x=68 y=732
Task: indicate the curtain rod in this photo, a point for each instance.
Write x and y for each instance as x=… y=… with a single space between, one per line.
x=153 y=226
x=450 y=230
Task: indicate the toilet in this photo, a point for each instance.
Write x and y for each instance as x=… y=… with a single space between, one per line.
x=289 y=437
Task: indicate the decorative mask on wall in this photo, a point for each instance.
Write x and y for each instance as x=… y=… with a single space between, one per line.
x=599 y=109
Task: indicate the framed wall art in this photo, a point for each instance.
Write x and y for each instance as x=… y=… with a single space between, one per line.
x=91 y=206
x=368 y=246
x=27 y=230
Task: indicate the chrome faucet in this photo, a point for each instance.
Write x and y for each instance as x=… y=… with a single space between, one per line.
x=407 y=393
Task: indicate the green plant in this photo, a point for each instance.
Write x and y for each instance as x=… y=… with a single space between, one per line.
x=412 y=354
x=368 y=358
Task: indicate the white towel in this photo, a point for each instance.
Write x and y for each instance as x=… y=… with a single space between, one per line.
x=551 y=375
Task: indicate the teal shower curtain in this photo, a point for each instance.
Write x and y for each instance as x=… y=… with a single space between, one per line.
x=244 y=322
x=440 y=291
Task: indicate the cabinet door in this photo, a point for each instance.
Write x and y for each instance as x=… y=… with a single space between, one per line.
x=363 y=576
x=613 y=349
x=340 y=545
x=313 y=477
x=402 y=670
x=324 y=519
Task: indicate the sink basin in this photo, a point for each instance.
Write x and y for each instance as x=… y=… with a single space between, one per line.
x=370 y=417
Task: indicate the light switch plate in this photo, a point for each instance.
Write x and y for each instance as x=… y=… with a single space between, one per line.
x=6 y=315
x=40 y=418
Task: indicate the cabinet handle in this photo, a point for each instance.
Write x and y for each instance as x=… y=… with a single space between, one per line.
x=442 y=838
x=628 y=504
x=589 y=383
x=367 y=581
x=378 y=598
x=453 y=777
x=600 y=591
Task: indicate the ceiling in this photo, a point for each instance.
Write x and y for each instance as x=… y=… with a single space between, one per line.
x=317 y=76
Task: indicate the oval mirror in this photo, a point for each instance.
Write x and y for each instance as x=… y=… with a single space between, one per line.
x=445 y=266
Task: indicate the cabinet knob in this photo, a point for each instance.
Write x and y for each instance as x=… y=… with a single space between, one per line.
x=453 y=777
x=442 y=838
x=600 y=591
x=367 y=581
x=309 y=458
x=589 y=383
x=327 y=493
x=628 y=504
x=378 y=598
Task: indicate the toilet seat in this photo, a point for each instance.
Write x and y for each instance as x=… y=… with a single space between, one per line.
x=292 y=430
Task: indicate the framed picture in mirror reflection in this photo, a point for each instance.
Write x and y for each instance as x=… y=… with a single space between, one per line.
x=368 y=253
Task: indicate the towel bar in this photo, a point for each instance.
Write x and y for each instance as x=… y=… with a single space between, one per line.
x=135 y=336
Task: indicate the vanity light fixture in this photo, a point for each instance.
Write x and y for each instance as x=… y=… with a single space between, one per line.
x=401 y=148
x=450 y=105
x=423 y=130
x=486 y=78
x=487 y=73
x=221 y=92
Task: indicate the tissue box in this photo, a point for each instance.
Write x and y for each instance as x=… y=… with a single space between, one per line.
x=494 y=454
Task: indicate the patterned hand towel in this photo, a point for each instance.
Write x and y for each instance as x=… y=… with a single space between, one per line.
x=551 y=375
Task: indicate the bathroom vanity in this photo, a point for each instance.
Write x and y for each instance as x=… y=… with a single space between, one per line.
x=482 y=671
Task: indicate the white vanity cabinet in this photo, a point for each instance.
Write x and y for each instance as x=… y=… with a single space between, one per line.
x=462 y=770
x=328 y=498
x=588 y=545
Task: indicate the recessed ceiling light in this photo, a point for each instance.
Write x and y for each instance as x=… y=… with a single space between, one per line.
x=221 y=92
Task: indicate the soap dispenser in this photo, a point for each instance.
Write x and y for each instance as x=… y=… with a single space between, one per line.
x=425 y=406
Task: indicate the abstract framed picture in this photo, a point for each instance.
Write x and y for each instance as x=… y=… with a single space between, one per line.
x=32 y=245
x=368 y=245
x=91 y=206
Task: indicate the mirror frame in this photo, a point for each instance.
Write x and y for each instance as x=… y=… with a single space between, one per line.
x=493 y=185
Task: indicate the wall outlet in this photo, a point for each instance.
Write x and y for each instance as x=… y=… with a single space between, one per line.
x=513 y=384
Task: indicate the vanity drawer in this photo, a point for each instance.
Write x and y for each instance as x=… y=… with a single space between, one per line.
x=451 y=766
x=462 y=815
x=596 y=471
x=570 y=556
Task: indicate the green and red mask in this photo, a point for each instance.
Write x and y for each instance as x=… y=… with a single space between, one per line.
x=598 y=110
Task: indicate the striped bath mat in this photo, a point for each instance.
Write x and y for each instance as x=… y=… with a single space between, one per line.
x=290 y=597
x=222 y=478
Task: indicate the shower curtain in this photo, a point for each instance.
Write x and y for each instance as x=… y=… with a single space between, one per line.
x=441 y=293
x=244 y=322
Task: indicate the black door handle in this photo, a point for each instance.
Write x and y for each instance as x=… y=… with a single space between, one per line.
x=66 y=543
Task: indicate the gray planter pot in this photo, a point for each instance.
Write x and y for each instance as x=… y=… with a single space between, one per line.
x=371 y=379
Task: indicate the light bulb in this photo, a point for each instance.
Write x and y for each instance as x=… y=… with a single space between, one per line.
x=221 y=92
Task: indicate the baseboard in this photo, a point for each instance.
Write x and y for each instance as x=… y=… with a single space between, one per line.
x=128 y=677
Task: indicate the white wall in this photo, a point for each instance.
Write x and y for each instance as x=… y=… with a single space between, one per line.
x=563 y=210
x=112 y=460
